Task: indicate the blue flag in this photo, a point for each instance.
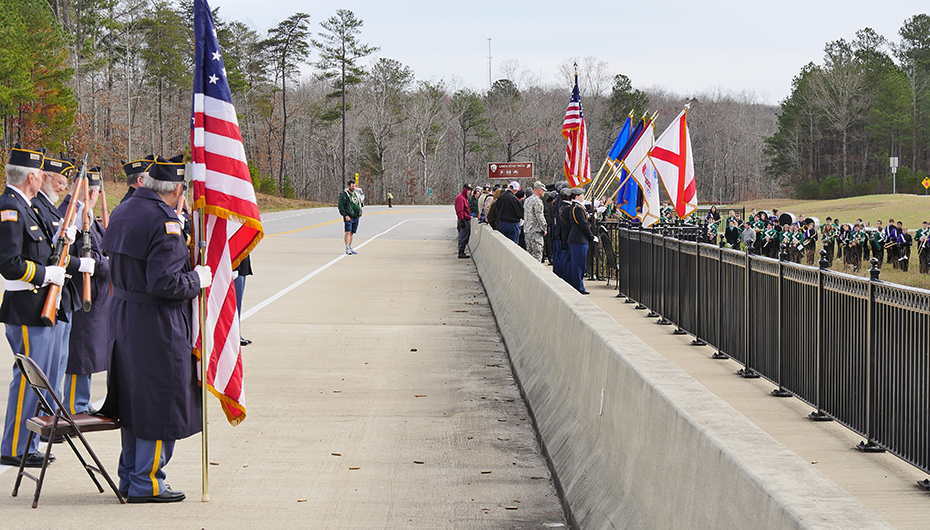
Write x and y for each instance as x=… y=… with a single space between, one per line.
x=622 y=139
x=629 y=193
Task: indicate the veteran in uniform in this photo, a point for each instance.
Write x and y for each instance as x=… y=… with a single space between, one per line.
x=56 y=173
x=534 y=222
x=152 y=384
x=579 y=237
x=25 y=251
x=134 y=171
x=87 y=353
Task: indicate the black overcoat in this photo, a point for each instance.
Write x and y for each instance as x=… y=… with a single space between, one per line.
x=152 y=384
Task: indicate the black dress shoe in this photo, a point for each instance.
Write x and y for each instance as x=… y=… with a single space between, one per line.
x=585 y=292
x=244 y=342
x=59 y=439
x=168 y=495
x=33 y=460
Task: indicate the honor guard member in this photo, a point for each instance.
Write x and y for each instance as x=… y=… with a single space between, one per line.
x=56 y=173
x=565 y=205
x=135 y=174
x=923 y=249
x=579 y=237
x=25 y=251
x=87 y=352
x=152 y=383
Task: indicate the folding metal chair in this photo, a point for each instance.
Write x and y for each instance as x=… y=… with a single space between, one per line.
x=59 y=422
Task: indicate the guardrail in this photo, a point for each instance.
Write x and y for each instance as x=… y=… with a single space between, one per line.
x=856 y=349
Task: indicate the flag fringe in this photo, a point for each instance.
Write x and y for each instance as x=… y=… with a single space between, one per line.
x=226 y=402
x=200 y=204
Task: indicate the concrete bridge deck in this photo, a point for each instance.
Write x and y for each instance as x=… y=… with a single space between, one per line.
x=378 y=390
x=380 y=395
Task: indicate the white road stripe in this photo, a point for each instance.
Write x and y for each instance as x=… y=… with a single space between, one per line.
x=307 y=278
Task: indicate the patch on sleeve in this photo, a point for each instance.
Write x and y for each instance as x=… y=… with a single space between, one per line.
x=173 y=227
x=9 y=215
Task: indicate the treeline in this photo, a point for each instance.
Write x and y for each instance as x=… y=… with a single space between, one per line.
x=113 y=78
x=869 y=101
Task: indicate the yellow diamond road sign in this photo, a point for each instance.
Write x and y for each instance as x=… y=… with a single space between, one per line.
x=926 y=182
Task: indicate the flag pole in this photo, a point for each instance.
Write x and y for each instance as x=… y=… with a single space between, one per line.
x=204 y=357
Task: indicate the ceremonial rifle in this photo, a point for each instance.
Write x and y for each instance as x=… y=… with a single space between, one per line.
x=104 y=214
x=60 y=254
x=87 y=303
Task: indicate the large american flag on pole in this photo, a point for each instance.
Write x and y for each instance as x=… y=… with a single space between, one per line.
x=577 y=169
x=223 y=193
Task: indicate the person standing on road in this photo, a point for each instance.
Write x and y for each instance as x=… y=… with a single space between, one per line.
x=463 y=215
x=390 y=199
x=534 y=221
x=152 y=387
x=350 y=208
x=510 y=212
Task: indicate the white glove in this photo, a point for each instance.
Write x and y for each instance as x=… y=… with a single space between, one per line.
x=595 y=239
x=521 y=222
x=71 y=234
x=87 y=265
x=183 y=220
x=54 y=274
x=79 y=214
x=235 y=274
x=206 y=275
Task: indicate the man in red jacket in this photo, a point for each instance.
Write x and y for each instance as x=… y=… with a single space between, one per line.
x=463 y=214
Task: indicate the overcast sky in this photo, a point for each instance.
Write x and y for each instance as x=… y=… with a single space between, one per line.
x=685 y=47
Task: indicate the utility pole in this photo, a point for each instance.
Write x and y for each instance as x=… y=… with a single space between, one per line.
x=489 y=63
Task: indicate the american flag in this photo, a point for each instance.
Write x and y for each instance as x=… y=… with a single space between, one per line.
x=224 y=194
x=577 y=169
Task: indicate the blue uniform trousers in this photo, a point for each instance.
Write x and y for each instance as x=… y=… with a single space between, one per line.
x=578 y=253
x=56 y=375
x=37 y=343
x=141 y=464
x=77 y=393
x=563 y=263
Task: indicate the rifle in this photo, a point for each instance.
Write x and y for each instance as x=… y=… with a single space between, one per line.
x=104 y=214
x=60 y=255
x=87 y=303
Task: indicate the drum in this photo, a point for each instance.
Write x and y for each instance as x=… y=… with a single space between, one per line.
x=787 y=218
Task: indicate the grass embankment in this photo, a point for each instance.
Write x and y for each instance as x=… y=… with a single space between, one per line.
x=912 y=210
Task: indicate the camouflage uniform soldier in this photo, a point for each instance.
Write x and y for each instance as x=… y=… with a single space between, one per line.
x=534 y=222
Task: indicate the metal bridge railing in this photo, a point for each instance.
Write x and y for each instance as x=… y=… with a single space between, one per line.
x=856 y=349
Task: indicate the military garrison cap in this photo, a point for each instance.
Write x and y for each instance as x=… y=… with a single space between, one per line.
x=138 y=166
x=26 y=158
x=93 y=177
x=62 y=166
x=170 y=170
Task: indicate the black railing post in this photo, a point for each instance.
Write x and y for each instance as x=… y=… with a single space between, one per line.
x=658 y=302
x=630 y=268
x=619 y=259
x=639 y=274
x=747 y=371
x=870 y=445
x=698 y=341
x=719 y=353
x=781 y=391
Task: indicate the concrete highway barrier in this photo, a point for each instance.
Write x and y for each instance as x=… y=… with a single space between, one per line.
x=634 y=441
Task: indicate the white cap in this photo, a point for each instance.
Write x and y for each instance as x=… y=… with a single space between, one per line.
x=515 y=186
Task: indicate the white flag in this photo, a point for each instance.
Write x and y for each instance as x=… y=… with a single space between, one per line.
x=674 y=162
x=643 y=172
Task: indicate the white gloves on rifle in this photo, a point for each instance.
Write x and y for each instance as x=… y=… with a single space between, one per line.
x=595 y=239
x=71 y=234
x=205 y=274
x=235 y=274
x=87 y=265
x=54 y=274
x=183 y=221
